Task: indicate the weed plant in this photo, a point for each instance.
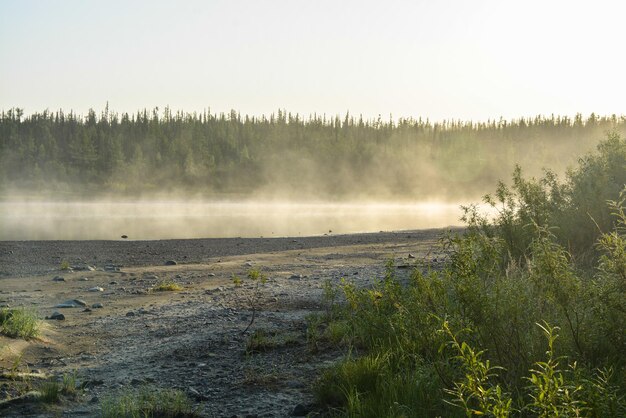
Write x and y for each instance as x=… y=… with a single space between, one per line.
x=54 y=391
x=167 y=286
x=263 y=340
x=19 y=323
x=257 y=280
x=526 y=319
x=50 y=392
x=148 y=403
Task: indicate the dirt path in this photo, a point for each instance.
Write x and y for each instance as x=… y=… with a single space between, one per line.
x=191 y=340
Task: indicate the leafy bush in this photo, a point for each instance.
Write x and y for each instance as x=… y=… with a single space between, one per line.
x=553 y=254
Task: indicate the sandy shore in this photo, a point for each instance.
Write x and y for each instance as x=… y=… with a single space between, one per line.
x=191 y=340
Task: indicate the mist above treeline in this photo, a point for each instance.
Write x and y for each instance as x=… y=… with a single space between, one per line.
x=282 y=155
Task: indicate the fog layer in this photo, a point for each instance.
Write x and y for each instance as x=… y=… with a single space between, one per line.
x=281 y=156
x=46 y=220
x=161 y=174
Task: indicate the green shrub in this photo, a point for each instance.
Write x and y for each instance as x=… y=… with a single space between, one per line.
x=554 y=253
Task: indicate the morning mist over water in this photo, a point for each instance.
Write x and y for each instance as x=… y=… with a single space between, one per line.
x=165 y=174
x=161 y=219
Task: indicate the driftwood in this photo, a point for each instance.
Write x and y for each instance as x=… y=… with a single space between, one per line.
x=23 y=376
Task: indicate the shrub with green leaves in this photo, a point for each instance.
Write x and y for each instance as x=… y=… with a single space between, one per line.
x=553 y=254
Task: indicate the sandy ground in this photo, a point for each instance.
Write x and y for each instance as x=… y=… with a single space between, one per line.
x=191 y=340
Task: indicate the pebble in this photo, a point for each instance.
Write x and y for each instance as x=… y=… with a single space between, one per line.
x=170 y=263
x=211 y=274
x=411 y=255
x=130 y=313
x=97 y=306
x=96 y=289
x=197 y=395
x=58 y=279
x=300 y=411
x=73 y=303
x=84 y=279
x=85 y=267
x=57 y=316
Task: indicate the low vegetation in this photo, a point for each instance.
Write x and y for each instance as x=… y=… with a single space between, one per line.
x=256 y=280
x=148 y=402
x=167 y=286
x=263 y=340
x=526 y=319
x=19 y=323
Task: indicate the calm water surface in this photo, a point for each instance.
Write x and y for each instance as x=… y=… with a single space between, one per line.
x=45 y=220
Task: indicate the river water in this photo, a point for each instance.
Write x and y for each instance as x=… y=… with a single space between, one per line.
x=164 y=219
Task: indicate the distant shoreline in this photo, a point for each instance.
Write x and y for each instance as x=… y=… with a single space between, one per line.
x=27 y=258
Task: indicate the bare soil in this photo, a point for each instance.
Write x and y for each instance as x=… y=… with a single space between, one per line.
x=191 y=340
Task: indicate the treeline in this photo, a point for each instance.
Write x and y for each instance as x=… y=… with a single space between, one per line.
x=284 y=154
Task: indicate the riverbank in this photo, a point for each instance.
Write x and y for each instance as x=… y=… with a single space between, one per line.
x=191 y=339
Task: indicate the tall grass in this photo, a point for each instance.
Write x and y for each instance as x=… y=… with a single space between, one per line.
x=19 y=323
x=148 y=403
x=464 y=341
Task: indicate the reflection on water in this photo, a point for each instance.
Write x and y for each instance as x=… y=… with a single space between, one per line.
x=29 y=220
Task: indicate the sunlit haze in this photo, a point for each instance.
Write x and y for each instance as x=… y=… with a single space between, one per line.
x=438 y=59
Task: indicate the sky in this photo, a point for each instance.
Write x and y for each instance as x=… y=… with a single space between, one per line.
x=468 y=60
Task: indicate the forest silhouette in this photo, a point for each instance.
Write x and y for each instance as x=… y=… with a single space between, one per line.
x=283 y=154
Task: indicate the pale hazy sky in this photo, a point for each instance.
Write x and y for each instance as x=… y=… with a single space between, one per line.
x=436 y=59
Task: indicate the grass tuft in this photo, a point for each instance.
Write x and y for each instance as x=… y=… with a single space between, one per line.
x=167 y=286
x=148 y=402
x=262 y=341
x=52 y=390
x=19 y=323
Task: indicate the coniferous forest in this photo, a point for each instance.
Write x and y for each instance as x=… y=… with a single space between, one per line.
x=283 y=154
